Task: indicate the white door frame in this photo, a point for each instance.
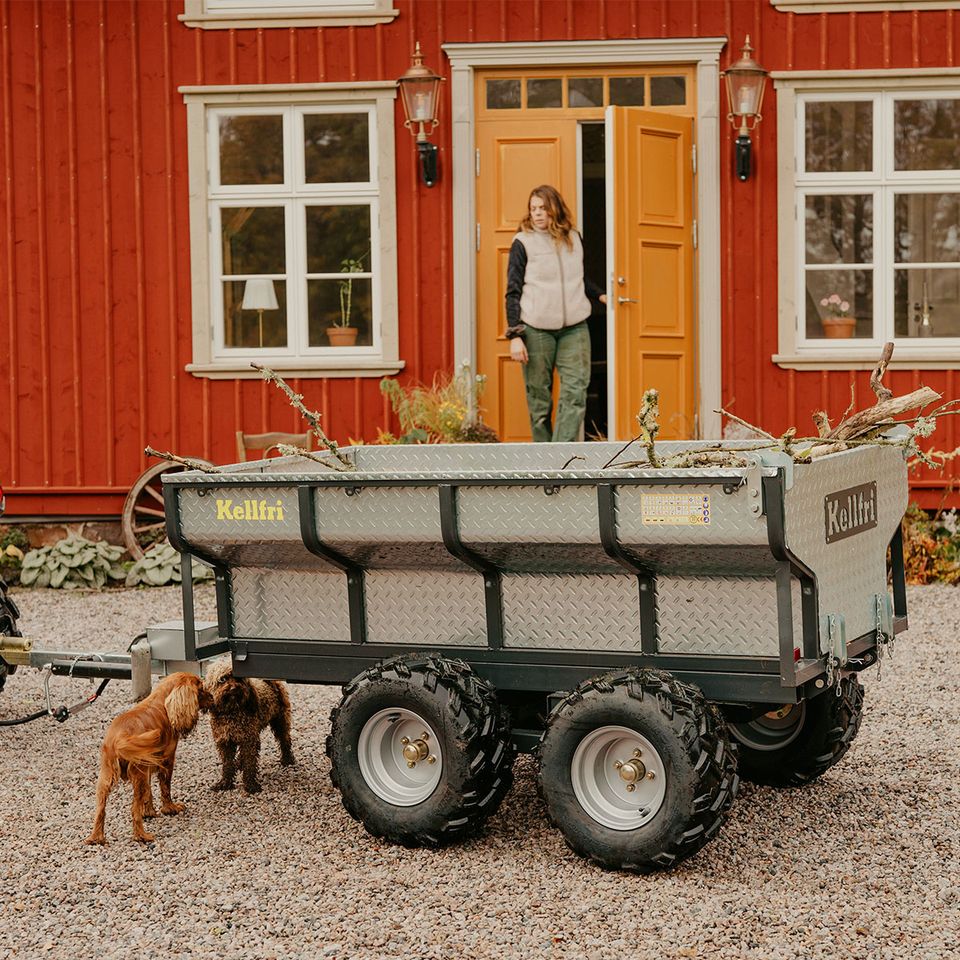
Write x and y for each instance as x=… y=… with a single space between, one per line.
x=704 y=53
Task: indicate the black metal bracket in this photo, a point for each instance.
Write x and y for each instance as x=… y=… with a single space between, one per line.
x=492 y=581
x=311 y=540
x=646 y=579
x=898 y=576
x=790 y=566
x=428 y=161
x=741 y=153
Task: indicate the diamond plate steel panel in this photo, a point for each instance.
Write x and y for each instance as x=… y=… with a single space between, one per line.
x=849 y=571
x=718 y=616
x=380 y=514
x=405 y=607
x=290 y=604
x=731 y=521
x=204 y=521
x=571 y=612
x=528 y=514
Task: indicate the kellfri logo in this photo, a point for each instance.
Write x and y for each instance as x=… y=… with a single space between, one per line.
x=252 y=510
x=850 y=511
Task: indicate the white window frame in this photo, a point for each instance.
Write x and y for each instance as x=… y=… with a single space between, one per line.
x=882 y=88
x=264 y=14
x=211 y=357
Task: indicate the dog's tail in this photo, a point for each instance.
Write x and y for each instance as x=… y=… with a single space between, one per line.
x=141 y=749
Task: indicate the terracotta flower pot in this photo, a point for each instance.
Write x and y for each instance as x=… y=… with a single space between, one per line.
x=342 y=336
x=838 y=328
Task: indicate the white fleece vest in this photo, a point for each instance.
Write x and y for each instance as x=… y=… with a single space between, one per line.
x=553 y=296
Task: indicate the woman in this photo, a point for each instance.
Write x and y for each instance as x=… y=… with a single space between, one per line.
x=548 y=302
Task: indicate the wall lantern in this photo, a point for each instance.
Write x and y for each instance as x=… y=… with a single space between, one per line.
x=418 y=89
x=746 y=80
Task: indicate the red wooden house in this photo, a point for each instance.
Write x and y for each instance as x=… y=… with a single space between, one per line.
x=160 y=155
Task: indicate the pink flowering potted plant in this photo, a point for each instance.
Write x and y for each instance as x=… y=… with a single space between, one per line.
x=837 y=323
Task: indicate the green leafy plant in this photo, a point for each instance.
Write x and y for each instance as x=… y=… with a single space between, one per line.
x=347 y=265
x=72 y=563
x=161 y=565
x=13 y=547
x=444 y=412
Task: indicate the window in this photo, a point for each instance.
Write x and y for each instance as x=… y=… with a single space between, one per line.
x=232 y=14
x=870 y=251
x=293 y=231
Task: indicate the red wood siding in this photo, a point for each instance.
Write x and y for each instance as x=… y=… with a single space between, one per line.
x=95 y=289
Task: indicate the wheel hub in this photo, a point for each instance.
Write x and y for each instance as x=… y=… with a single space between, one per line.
x=390 y=751
x=416 y=750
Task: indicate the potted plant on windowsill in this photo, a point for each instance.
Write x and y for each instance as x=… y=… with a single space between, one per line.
x=837 y=324
x=341 y=334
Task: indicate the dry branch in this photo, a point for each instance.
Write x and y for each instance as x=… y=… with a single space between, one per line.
x=289 y=450
x=186 y=461
x=312 y=416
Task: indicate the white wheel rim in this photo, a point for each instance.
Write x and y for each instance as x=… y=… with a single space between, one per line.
x=383 y=765
x=602 y=789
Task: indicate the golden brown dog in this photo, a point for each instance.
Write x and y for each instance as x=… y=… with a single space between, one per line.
x=143 y=740
x=241 y=708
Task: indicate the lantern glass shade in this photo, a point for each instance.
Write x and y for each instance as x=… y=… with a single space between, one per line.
x=419 y=98
x=745 y=90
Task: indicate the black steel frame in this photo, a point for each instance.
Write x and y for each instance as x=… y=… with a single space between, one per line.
x=785 y=678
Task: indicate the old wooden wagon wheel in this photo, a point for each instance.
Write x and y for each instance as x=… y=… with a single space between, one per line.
x=142 y=521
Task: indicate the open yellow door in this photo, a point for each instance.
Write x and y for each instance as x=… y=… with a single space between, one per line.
x=650 y=198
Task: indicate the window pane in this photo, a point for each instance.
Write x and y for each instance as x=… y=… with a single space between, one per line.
x=336 y=234
x=926 y=134
x=839 y=136
x=941 y=286
x=626 y=91
x=503 y=94
x=336 y=147
x=253 y=240
x=927 y=227
x=666 y=91
x=339 y=303
x=585 y=91
x=839 y=229
x=253 y=328
x=545 y=93
x=251 y=150
x=839 y=303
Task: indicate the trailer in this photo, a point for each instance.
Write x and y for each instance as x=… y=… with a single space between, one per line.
x=650 y=635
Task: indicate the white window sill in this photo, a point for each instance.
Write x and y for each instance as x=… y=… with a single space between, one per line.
x=866 y=360
x=347 y=367
x=237 y=21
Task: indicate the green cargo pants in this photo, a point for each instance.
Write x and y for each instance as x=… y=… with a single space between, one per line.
x=568 y=352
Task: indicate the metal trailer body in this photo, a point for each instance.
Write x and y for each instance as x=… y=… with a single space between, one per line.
x=540 y=567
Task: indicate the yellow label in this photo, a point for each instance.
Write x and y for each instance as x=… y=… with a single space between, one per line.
x=676 y=509
x=252 y=511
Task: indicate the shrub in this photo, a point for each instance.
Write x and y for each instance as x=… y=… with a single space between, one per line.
x=931 y=546
x=71 y=563
x=440 y=413
x=160 y=565
x=13 y=547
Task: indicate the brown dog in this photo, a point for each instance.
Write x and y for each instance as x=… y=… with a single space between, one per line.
x=241 y=709
x=143 y=740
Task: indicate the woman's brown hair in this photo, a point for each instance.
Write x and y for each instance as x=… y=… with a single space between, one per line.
x=561 y=223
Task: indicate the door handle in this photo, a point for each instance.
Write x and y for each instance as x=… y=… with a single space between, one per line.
x=626 y=300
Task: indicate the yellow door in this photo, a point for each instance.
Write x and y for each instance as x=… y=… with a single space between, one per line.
x=515 y=156
x=652 y=208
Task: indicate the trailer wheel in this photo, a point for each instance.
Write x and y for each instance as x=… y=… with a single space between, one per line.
x=636 y=770
x=9 y=614
x=420 y=750
x=792 y=745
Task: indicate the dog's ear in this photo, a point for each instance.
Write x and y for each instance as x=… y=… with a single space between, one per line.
x=183 y=706
x=248 y=701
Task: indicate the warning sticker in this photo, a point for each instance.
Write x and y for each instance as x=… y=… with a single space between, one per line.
x=682 y=509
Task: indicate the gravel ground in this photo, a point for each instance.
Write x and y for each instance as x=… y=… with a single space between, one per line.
x=865 y=863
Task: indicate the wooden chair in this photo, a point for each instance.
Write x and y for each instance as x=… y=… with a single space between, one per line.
x=267 y=442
